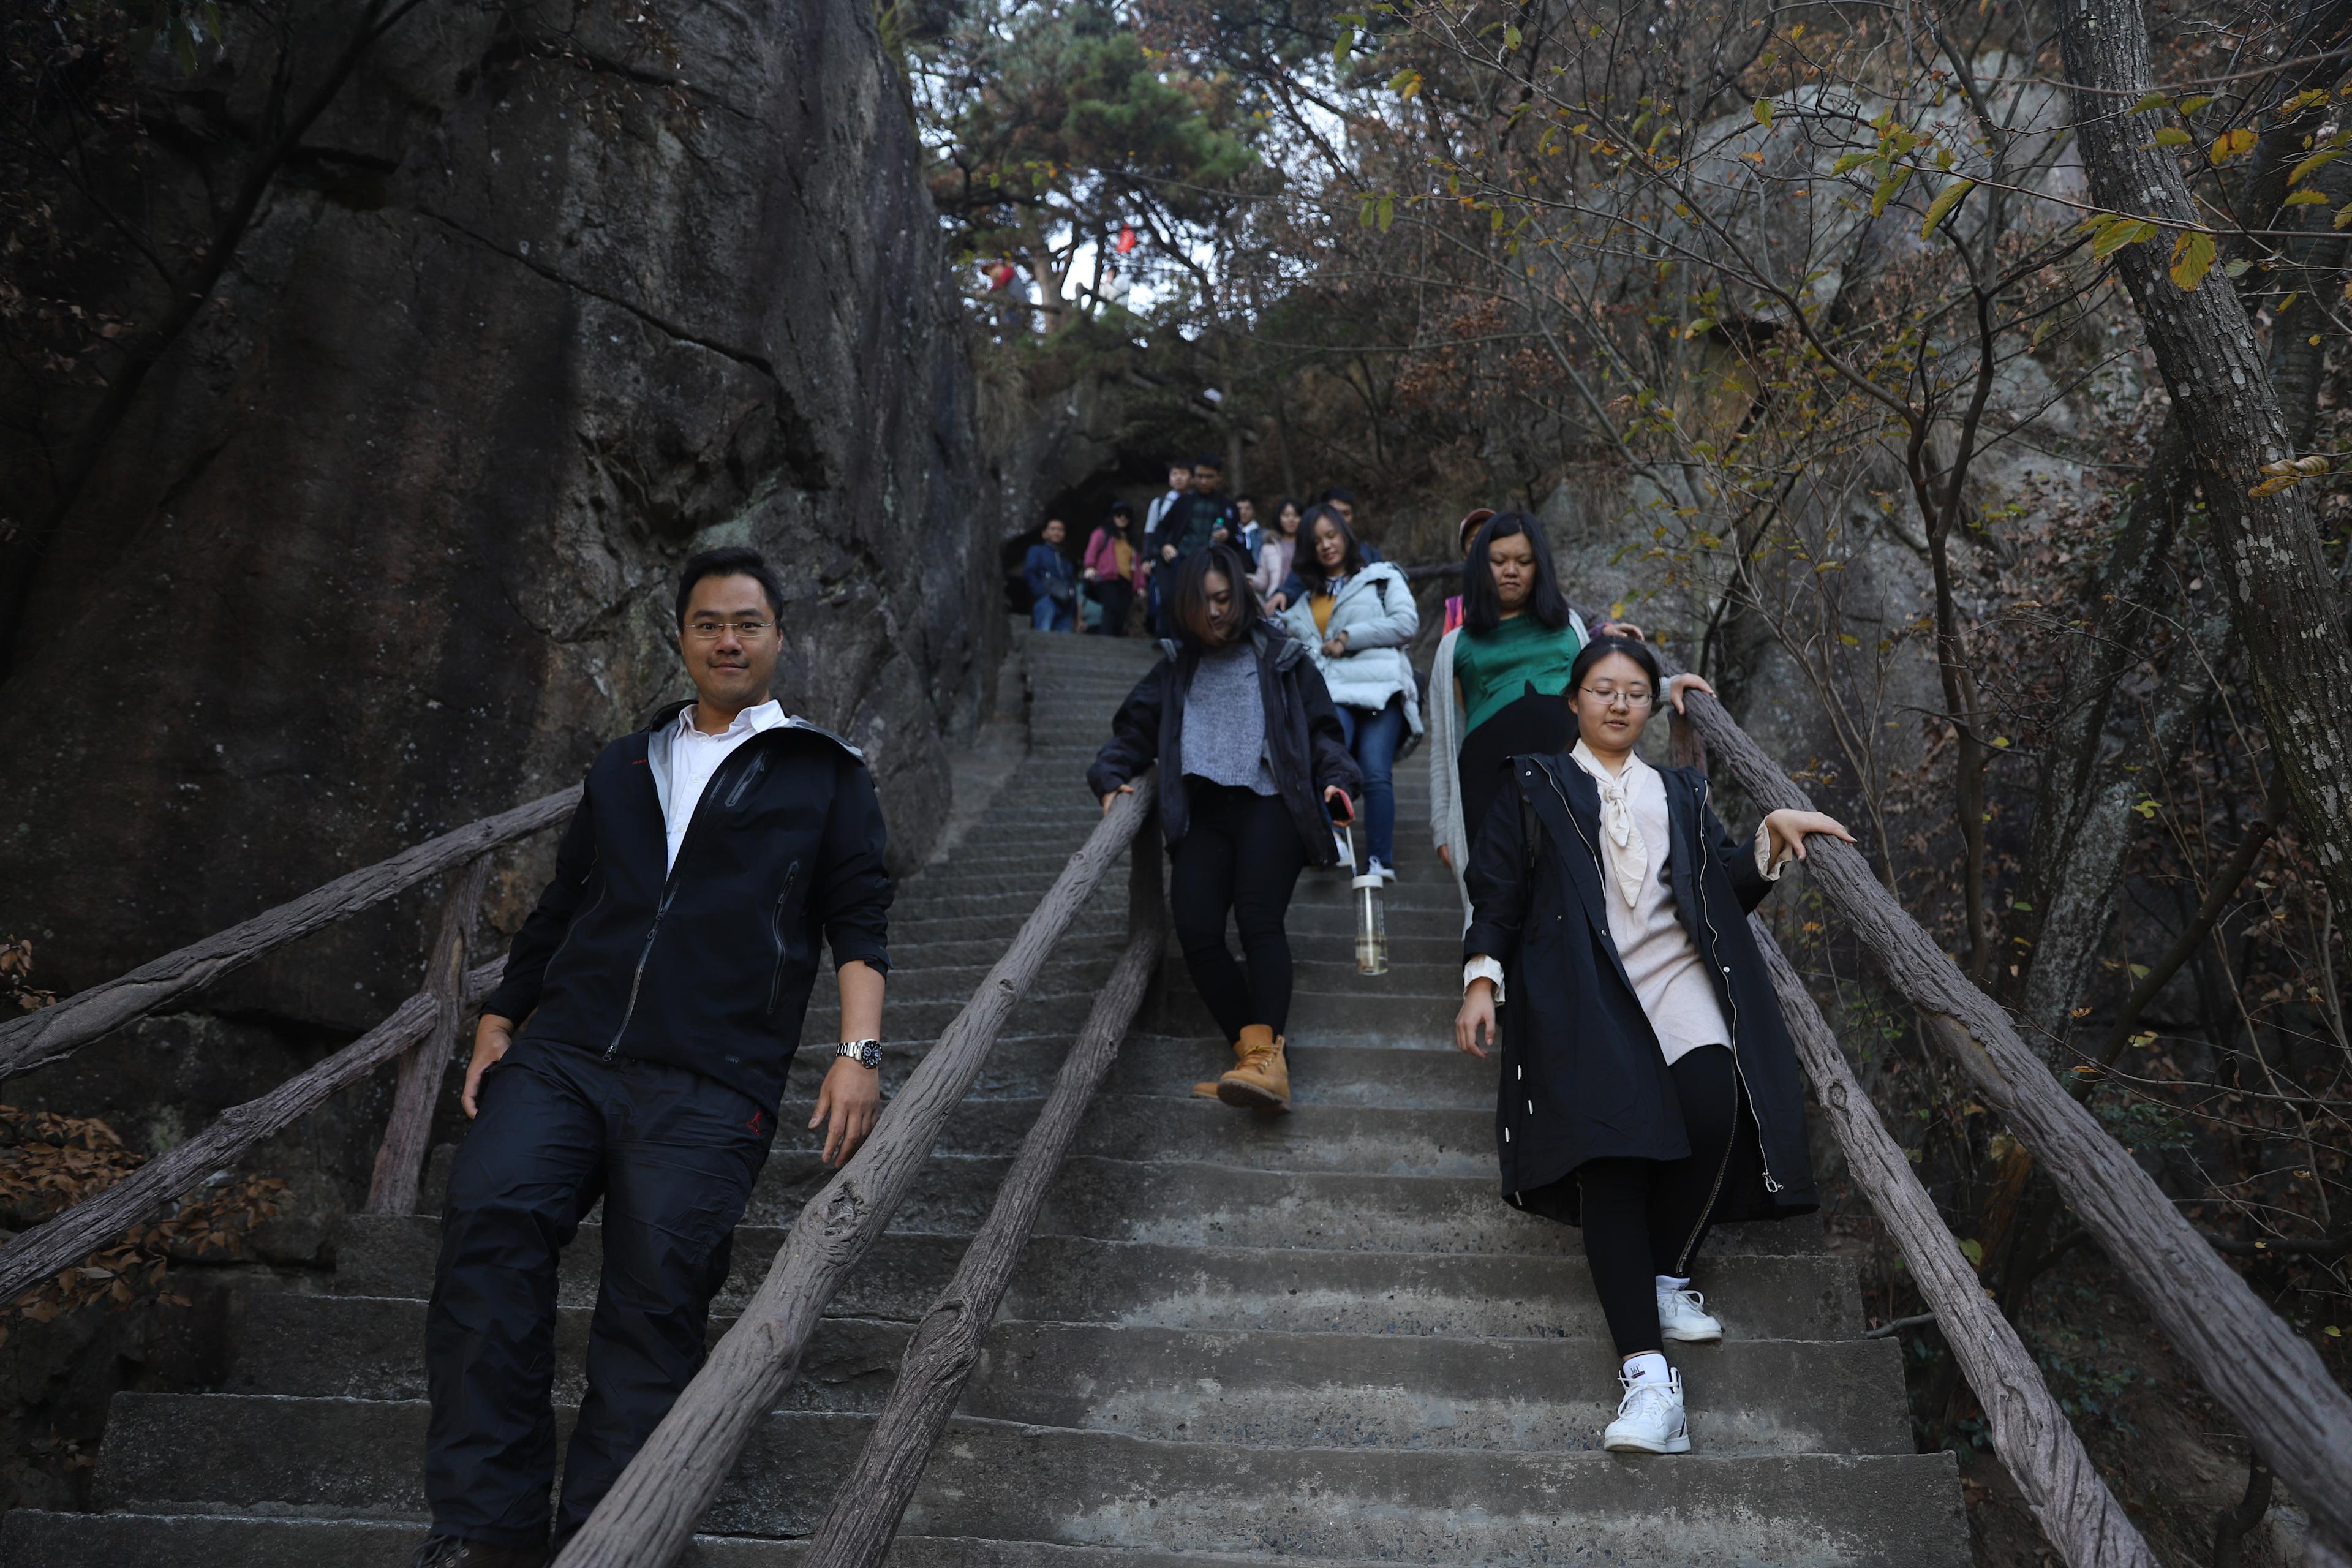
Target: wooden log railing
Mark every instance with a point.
(66, 1238)
(868, 1504)
(400, 1158)
(2078, 1515)
(2252, 1361)
(64, 1028)
(649, 1516)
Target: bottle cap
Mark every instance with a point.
(1375, 880)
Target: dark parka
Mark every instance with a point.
(1304, 745)
(706, 965)
(1582, 1075)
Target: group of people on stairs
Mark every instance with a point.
(1649, 1088)
(634, 1051)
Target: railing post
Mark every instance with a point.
(400, 1158)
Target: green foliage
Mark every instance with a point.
(1052, 125)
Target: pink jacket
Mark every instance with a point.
(1102, 558)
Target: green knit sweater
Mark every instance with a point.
(1497, 670)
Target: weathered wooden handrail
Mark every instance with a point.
(2031, 1434)
(38, 1039)
(650, 1514)
(870, 1501)
(2260, 1369)
(400, 1158)
(65, 1239)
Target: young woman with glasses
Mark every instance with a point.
(1649, 1087)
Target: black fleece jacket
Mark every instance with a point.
(709, 965)
(1304, 743)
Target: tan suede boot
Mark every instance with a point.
(1262, 1081)
(1209, 1090)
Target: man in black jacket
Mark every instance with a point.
(660, 988)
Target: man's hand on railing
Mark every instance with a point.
(849, 1102)
(1123, 789)
(492, 1036)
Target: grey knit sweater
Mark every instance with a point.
(1224, 722)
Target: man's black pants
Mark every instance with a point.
(674, 1155)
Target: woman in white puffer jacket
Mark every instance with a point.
(1357, 617)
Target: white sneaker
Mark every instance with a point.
(1381, 869)
(1649, 1418)
(1680, 1317)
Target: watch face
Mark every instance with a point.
(871, 1056)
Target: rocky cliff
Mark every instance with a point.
(546, 299)
(543, 300)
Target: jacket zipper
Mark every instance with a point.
(669, 892)
(1723, 1169)
(776, 928)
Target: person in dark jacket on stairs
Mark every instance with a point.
(635, 1051)
(1649, 1085)
(1253, 768)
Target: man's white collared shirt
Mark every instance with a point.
(694, 756)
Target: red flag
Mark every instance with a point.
(1000, 275)
(1125, 241)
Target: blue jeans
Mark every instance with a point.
(1053, 616)
(1374, 738)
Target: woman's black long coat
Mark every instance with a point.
(1582, 1075)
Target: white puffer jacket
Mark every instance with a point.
(1376, 610)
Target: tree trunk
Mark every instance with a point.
(2280, 595)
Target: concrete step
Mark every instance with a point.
(30, 1538)
(1316, 1016)
(1803, 1296)
(999, 1481)
(1313, 1137)
(1782, 1396)
(1426, 1073)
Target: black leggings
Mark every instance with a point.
(1643, 1219)
(1241, 852)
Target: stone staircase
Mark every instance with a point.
(1235, 1339)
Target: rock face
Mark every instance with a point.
(389, 538)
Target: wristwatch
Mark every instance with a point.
(864, 1053)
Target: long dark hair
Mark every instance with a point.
(1189, 599)
(1309, 561)
(1289, 503)
(1481, 604)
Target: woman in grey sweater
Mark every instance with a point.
(1253, 768)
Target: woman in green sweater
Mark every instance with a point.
(1506, 672)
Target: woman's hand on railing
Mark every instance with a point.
(492, 1036)
(1123, 789)
(1475, 1022)
(1679, 686)
(1790, 827)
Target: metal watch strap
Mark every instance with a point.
(864, 1053)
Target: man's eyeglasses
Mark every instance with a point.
(708, 631)
(1634, 697)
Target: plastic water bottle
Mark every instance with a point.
(1371, 925)
(1371, 911)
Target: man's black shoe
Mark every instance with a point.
(454, 1551)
